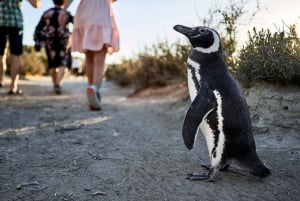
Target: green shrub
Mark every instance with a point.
(32, 63)
(270, 57)
(155, 67)
(119, 74)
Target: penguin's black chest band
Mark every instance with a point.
(194, 77)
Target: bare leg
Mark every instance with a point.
(89, 63)
(95, 68)
(57, 74)
(14, 72)
(53, 74)
(99, 67)
(2, 68)
(60, 72)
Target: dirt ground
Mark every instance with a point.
(54, 148)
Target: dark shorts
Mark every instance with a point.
(15, 37)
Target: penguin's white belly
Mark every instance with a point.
(215, 149)
(208, 134)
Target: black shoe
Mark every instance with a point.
(57, 89)
(17, 92)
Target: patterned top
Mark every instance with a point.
(11, 14)
(54, 37)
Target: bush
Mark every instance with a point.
(119, 74)
(158, 66)
(32, 63)
(270, 57)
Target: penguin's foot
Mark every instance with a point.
(197, 176)
(223, 169)
(212, 175)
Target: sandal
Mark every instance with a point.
(17, 92)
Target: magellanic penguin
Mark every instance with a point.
(218, 107)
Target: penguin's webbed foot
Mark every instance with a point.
(223, 169)
(197, 176)
(212, 175)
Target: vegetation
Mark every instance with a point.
(33, 63)
(227, 20)
(270, 57)
(157, 66)
(266, 56)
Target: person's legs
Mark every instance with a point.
(95, 68)
(16, 49)
(60, 73)
(57, 75)
(89, 64)
(99, 67)
(14, 72)
(3, 33)
(2, 69)
(52, 72)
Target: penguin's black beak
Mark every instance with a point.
(184, 30)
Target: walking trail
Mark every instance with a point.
(52, 147)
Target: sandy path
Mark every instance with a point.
(54, 148)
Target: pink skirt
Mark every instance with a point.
(94, 27)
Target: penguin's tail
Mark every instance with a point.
(259, 169)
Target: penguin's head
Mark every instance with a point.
(203, 39)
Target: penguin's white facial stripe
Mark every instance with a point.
(215, 161)
(214, 47)
(191, 82)
(191, 85)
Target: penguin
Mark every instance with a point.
(218, 108)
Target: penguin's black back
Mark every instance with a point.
(239, 143)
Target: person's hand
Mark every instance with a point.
(35, 3)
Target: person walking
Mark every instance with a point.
(95, 33)
(52, 32)
(3, 68)
(11, 27)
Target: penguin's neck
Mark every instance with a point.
(215, 60)
(201, 56)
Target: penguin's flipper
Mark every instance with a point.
(201, 106)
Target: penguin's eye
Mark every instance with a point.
(202, 30)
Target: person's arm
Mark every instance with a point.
(35, 3)
(67, 4)
(38, 35)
